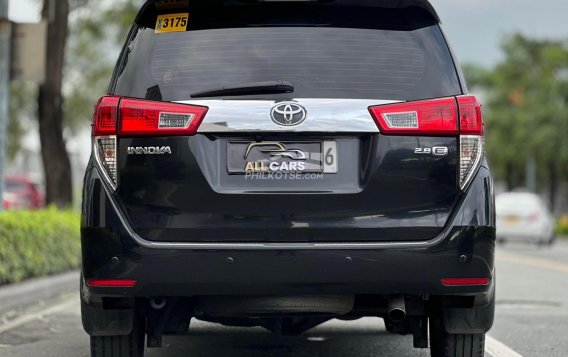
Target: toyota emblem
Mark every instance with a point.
(288, 114)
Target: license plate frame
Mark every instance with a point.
(291, 156)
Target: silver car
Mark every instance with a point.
(523, 217)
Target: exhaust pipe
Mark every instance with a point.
(158, 303)
(396, 310)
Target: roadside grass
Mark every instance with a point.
(38, 243)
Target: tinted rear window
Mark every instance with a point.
(324, 51)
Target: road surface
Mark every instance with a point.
(531, 320)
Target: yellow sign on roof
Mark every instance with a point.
(172, 23)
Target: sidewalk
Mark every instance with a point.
(35, 290)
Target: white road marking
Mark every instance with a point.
(532, 262)
(498, 349)
(24, 319)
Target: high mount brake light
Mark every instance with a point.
(115, 116)
(439, 117)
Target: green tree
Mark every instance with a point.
(97, 34)
(22, 111)
(526, 110)
(84, 38)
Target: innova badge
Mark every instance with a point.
(149, 150)
(288, 114)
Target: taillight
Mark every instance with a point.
(141, 117)
(439, 117)
(104, 148)
(471, 139)
(428, 117)
(106, 116)
(115, 117)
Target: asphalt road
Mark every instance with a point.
(531, 320)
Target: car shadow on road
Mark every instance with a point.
(365, 337)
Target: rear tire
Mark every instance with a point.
(443, 344)
(131, 345)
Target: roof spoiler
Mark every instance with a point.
(425, 4)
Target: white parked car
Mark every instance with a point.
(523, 217)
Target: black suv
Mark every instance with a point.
(284, 163)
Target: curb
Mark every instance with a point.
(32, 291)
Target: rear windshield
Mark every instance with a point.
(324, 51)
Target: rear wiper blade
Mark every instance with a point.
(270, 87)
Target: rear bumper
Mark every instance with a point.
(464, 249)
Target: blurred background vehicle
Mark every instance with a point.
(524, 217)
(11, 201)
(20, 192)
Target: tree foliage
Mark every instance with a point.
(97, 34)
(526, 110)
(22, 108)
(93, 40)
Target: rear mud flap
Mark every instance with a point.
(477, 319)
(101, 322)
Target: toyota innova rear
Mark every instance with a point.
(284, 163)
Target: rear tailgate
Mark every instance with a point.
(247, 176)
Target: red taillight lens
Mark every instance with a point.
(111, 283)
(106, 115)
(446, 116)
(135, 117)
(471, 119)
(116, 116)
(427, 117)
(141, 117)
(465, 281)
(439, 117)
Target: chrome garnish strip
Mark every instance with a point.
(323, 115)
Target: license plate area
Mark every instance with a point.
(282, 156)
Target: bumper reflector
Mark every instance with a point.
(111, 283)
(465, 281)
